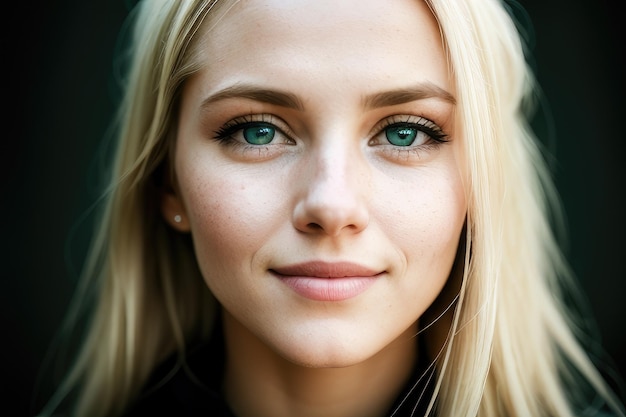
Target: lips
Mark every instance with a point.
(324, 281)
(327, 270)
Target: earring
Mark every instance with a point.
(178, 218)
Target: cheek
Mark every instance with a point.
(230, 218)
(424, 218)
(234, 214)
(426, 214)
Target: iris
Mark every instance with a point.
(401, 135)
(259, 134)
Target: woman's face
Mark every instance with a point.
(318, 171)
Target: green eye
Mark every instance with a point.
(401, 135)
(259, 134)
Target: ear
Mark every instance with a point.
(173, 210)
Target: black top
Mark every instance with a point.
(195, 390)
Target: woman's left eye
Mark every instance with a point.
(408, 132)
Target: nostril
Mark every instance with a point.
(314, 226)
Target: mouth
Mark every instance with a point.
(326, 281)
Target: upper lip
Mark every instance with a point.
(326, 270)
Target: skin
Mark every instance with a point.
(329, 187)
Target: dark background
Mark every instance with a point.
(59, 93)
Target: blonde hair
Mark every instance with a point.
(511, 349)
(512, 335)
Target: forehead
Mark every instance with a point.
(320, 15)
(284, 38)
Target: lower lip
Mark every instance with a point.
(328, 289)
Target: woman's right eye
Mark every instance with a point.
(253, 133)
(254, 130)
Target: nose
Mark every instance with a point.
(333, 198)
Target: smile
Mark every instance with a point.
(323, 281)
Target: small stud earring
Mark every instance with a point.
(178, 218)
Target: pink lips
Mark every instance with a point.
(323, 281)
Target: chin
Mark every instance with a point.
(329, 361)
(328, 353)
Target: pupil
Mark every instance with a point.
(404, 133)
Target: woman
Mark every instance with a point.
(329, 209)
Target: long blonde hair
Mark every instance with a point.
(513, 336)
(511, 349)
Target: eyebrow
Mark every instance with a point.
(420, 91)
(279, 98)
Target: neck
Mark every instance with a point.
(259, 382)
